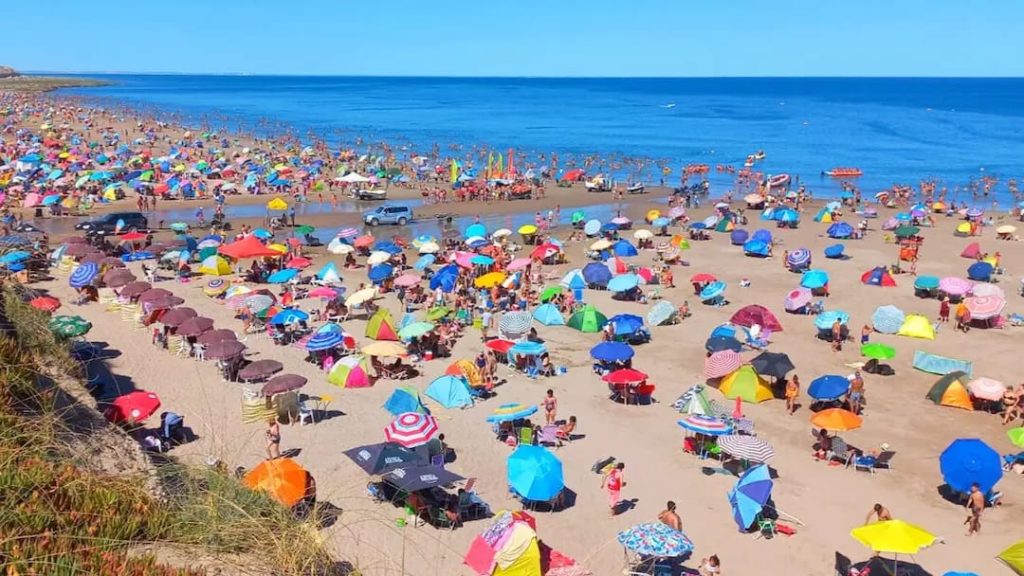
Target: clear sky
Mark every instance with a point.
(520, 37)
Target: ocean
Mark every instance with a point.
(897, 130)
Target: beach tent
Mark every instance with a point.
(694, 401)
(624, 248)
(329, 274)
(756, 248)
(215, 266)
(888, 319)
(755, 314)
(951, 390)
(878, 276)
(381, 326)
(405, 399)
(972, 251)
(840, 230)
(745, 383)
(450, 391)
(834, 251)
(823, 215)
(468, 370)
(917, 326)
(350, 372)
(548, 315)
(508, 547)
(587, 319)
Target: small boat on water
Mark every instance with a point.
(637, 188)
(779, 181)
(760, 155)
(844, 172)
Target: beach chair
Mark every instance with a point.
(525, 436)
(871, 463)
(841, 452)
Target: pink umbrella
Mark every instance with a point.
(722, 363)
(407, 280)
(518, 264)
(323, 292)
(955, 286)
(677, 212)
(987, 389)
(797, 299)
(411, 429)
(463, 259)
(32, 199)
(984, 307)
(986, 289)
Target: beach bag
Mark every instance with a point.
(600, 466)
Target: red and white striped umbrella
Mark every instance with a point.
(984, 307)
(987, 389)
(411, 429)
(722, 363)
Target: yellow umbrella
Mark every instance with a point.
(63, 155)
(279, 248)
(489, 280)
(360, 296)
(895, 536)
(602, 244)
(653, 215)
(384, 348)
(277, 204)
(527, 229)
(643, 234)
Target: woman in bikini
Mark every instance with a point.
(550, 407)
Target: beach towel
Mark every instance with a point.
(941, 365)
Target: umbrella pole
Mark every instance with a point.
(788, 516)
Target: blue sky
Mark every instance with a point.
(522, 37)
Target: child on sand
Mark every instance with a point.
(792, 393)
(613, 482)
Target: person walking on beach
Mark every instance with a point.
(856, 395)
(837, 336)
(944, 309)
(273, 439)
(669, 518)
(550, 407)
(975, 506)
(792, 393)
(614, 482)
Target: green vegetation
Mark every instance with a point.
(35, 84)
(60, 518)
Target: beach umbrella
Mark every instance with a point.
(826, 319)
(289, 316)
(980, 271)
(722, 363)
(905, 231)
(623, 283)
(384, 457)
(550, 292)
(518, 264)
(282, 276)
(985, 289)
(378, 258)
(893, 536)
(407, 280)
(799, 258)
(756, 315)
(656, 540)
(132, 407)
(83, 275)
(797, 299)
(1014, 557)
(437, 313)
(814, 279)
(211, 336)
(712, 291)
(380, 272)
(626, 324)
(223, 350)
(384, 348)
(596, 274)
(703, 424)
(510, 412)
(282, 479)
(411, 429)
(624, 376)
(612, 352)
(260, 369)
(967, 461)
(1016, 436)
(661, 313)
(955, 286)
(361, 296)
(215, 287)
(828, 387)
(624, 248)
(283, 383)
(444, 279)
(774, 364)
(325, 340)
(987, 389)
(350, 372)
(587, 319)
(162, 302)
(336, 246)
(44, 303)
(984, 307)
(489, 280)
(69, 326)
(14, 257)
(420, 477)
(534, 473)
(747, 447)
(134, 289)
(515, 323)
(415, 330)
(840, 230)
(194, 326)
(887, 319)
(749, 496)
(836, 420)
(878, 351)
(716, 343)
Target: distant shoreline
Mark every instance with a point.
(41, 84)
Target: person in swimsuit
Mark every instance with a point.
(792, 393)
(879, 513)
(550, 407)
(1011, 404)
(273, 440)
(975, 505)
(613, 482)
(669, 517)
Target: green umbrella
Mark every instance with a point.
(878, 351)
(587, 319)
(578, 216)
(1016, 436)
(415, 330)
(304, 229)
(550, 292)
(905, 231)
(179, 227)
(69, 326)
(438, 313)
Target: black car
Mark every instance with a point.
(107, 223)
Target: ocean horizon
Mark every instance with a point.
(898, 130)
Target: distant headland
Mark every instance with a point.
(12, 81)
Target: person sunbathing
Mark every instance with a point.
(565, 431)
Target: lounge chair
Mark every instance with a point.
(841, 452)
(871, 463)
(1010, 459)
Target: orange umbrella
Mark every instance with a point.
(282, 478)
(837, 420)
(364, 241)
(45, 303)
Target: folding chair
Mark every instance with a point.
(525, 436)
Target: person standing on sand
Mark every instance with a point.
(273, 439)
(944, 309)
(792, 393)
(856, 394)
(837, 336)
(865, 334)
(669, 518)
(975, 506)
(550, 407)
(614, 481)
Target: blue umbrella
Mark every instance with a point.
(262, 234)
(814, 279)
(282, 276)
(661, 222)
(510, 412)
(826, 319)
(609, 227)
(655, 539)
(612, 352)
(477, 243)
(698, 226)
(626, 323)
(840, 230)
(904, 217)
(12, 257)
(967, 461)
(623, 282)
(828, 387)
(926, 282)
(981, 271)
(51, 199)
(84, 274)
(476, 230)
(834, 251)
(712, 290)
(445, 278)
(597, 273)
(762, 235)
(424, 262)
(749, 496)
(535, 473)
(592, 227)
(799, 258)
(719, 343)
(324, 340)
(661, 312)
(481, 260)
(380, 272)
(624, 248)
(739, 237)
(755, 248)
(387, 246)
(887, 319)
(289, 316)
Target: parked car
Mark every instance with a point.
(107, 223)
(364, 194)
(400, 215)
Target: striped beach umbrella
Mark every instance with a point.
(325, 340)
(515, 324)
(513, 411)
(887, 319)
(84, 274)
(749, 448)
(797, 299)
(984, 307)
(722, 363)
(411, 429)
(799, 258)
(955, 286)
(702, 424)
(346, 233)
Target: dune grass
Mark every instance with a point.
(60, 519)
